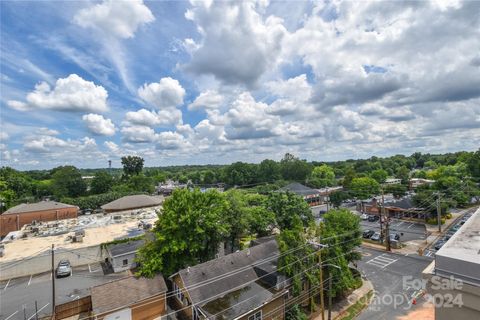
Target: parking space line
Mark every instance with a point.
(5, 288)
(11, 315)
(410, 226)
(29, 281)
(89, 269)
(33, 315)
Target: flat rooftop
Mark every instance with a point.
(460, 256)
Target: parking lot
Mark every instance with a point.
(18, 296)
(448, 233)
(407, 230)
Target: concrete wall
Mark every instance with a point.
(43, 262)
(14, 222)
(117, 262)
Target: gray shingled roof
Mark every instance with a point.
(125, 292)
(223, 265)
(119, 249)
(39, 206)
(133, 202)
(299, 189)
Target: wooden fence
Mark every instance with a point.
(71, 308)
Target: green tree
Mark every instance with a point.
(287, 206)
(102, 182)
(295, 313)
(398, 190)
(379, 175)
(321, 177)
(209, 177)
(337, 197)
(293, 168)
(141, 183)
(269, 170)
(132, 165)
(188, 231)
(240, 173)
(67, 182)
(364, 187)
(403, 173)
(350, 174)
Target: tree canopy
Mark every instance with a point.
(132, 165)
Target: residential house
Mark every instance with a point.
(130, 298)
(121, 256)
(241, 285)
(414, 183)
(393, 181)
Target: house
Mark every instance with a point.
(401, 208)
(413, 183)
(393, 181)
(121, 256)
(241, 285)
(16, 217)
(133, 202)
(130, 298)
(311, 196)
(453, 278)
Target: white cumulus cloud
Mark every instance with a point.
(167, 93)
(69, 94)
(99, 125)
(119, 18)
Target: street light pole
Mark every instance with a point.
(330, 289)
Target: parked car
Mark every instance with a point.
(373, 218)
(394, 236)
(375, 236)
(364, 216)
(63, 269)
(439, 244)
(367, 234)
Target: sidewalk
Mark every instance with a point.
(339, 308)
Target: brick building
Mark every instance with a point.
(16, 217)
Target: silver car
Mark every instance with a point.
(63, 269)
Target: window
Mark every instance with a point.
(178, 292)
(256, 316)
(125, 262)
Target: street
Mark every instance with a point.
(18, 295)
(388, 272)
(410, 230)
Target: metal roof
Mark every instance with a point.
(299, 189)
(120, 249)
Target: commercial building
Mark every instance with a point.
(133, 202)
(400, 208)
(416, 182)
(121, 256)
(453, 279)
(16, 217)
(311, 196)
(250, 288)
(393, 181)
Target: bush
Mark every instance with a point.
(448, 215)
(434, 221)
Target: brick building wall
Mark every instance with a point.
(14, 222)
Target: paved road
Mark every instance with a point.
(21, 293)
(386, 271)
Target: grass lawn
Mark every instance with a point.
(356, 308)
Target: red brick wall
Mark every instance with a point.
(13, 222)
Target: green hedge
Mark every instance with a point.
(434, 221)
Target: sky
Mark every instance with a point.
(84, 82)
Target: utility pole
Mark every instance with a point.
(439, 213)
(53, 282)
(36, 310)
(381, 218)
(330, 297)
(322, 304)
(387, 224)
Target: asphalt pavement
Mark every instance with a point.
(410, 230)
(18, 296)
(391, 275)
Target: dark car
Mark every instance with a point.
(63, 269)
(373, 218)
(394, 236)
(367, 234)
(439, 244)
